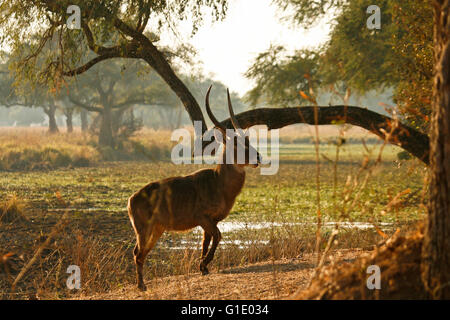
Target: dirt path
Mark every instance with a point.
(268, 280)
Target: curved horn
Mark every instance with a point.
(232, 117)
(210, 114)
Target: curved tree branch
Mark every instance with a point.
(129, 102)
(411, 140)
(84, 105)
(89, 65)
(156, 59)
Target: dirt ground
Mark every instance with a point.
(269, 280)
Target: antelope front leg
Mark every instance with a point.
(205, 244)
(211, 230)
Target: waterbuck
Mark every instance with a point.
(202, 198)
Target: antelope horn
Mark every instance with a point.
(210, 114)
(234, 121)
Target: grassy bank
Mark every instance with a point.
(29, 149)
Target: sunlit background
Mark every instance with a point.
(227, 48)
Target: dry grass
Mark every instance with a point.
(34, 148)
(104, 266)
(29, 138)
(101, 244)
(107, 265)
(23, 149)
(12, 210)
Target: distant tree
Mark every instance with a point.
(68, 111)
(111, 88)
(49, 106)
(84, 119)
(26, 96)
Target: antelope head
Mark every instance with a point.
(244, 154)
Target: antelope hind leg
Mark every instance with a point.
(142, 249)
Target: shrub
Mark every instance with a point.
(107, 153)
(303, 140)
(81, 161)
(140, 151)
(12, 210)
(62, 160)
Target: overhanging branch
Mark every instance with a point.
(411, 140)
(84, 105)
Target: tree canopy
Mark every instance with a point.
(109, 29)
(398, 56)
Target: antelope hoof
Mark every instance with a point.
(204, 270)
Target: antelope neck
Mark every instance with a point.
(232, 177)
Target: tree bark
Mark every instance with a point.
(117, 119)
(156, 60)
(69, 120)
(105, 137)
(436, 247)
(411, 140)
(50, 112)
(84, 120)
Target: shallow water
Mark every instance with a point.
(235, 225)
(231, 226)
(191, 244)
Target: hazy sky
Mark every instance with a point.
(227, 48)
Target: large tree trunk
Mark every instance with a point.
(436, 248)
(105, 137)
(95, 123)
(159, 63)
(50, 112)
(117, 119)
(84, 120)
(433, 255)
